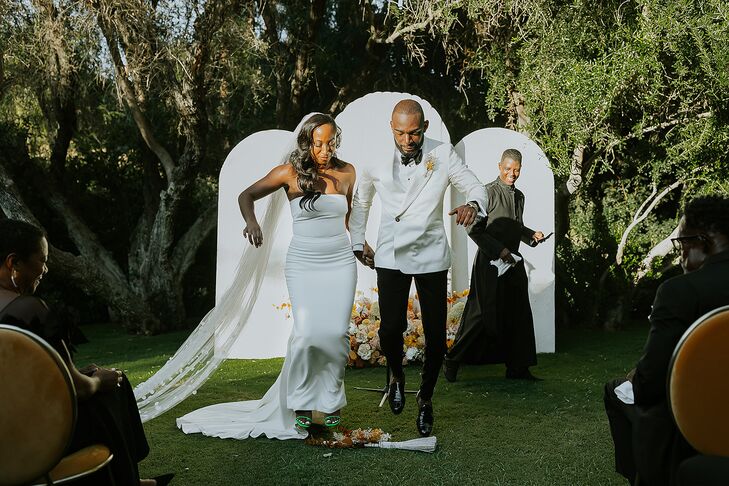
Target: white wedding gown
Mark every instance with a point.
(321, 275)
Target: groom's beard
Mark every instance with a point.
(417, 147)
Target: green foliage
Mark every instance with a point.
(640, 87)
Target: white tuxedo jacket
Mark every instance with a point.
(412, 237)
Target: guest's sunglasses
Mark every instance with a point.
(679, 241)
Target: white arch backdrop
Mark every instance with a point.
(366, 139)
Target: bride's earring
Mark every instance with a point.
(12, 279)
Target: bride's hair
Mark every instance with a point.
(300, 158)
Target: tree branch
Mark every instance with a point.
(11, 201)
(186, 249)
(267, 11)
(574, 181)
(659, 251)
(641, 214)
(646, 131)
(302, 69)
(403, 27)
(82, 236)
(127, 91)
(4, 82)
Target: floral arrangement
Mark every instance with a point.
(364, 341)
(344, 439)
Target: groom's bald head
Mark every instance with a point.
(408, 107)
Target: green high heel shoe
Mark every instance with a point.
(303, 421)
(332, 420)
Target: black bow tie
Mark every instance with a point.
(417, 157)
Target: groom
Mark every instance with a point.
(412, 244)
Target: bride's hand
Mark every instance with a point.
(254, 234)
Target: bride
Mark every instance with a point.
(321, 277)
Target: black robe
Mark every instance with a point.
(497, 324)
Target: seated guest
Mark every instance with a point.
(107, 409)
(703, 470)
(647, 442)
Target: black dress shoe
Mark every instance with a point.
(424, 420)
(450, 369)
(524, 374)
(164, 479)
(396, 397)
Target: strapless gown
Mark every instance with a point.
(321, 276)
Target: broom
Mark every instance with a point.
(424, 444)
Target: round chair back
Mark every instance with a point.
(37, 408)
(698, 386)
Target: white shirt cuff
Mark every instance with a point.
(358, 247)
(480, 211)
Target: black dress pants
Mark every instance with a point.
(622, 419)
(394, 290)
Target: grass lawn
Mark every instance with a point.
(490, 431)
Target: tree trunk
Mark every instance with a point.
(565, 191)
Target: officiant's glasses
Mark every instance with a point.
(678, 242)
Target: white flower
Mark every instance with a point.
(454, 315)
(364, 351)
(375, 311)
(412, 354)
(411, 327)
(361, 336)
(375, 342)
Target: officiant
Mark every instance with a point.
(497, 324)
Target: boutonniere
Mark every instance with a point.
(429, 165)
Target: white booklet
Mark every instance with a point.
(502, 266)
(624, 392)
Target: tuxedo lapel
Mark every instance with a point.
(422, 176)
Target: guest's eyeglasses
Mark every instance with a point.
(679, 241)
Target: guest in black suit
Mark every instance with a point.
(647, 442)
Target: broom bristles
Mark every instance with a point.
(423, 444)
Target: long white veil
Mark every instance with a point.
(208, 345)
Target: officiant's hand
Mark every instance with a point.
(465, 214)
(254, 234)
(366, 257)
(507, 256)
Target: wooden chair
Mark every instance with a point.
(38, 415)
(698, 383)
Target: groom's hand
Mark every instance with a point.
(366, 257)
(465, 214)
